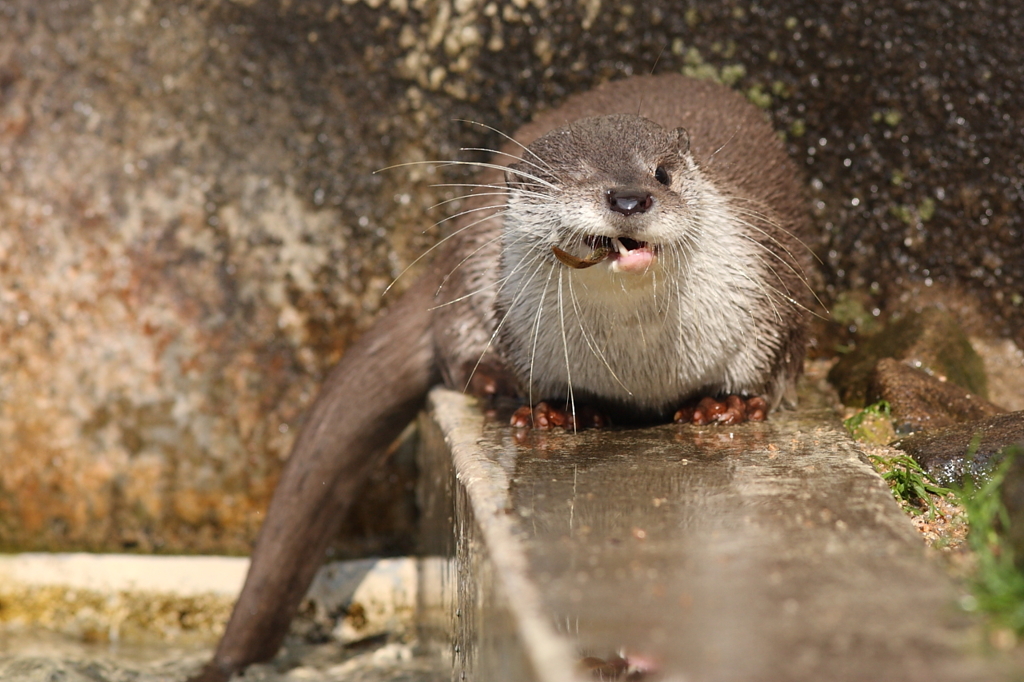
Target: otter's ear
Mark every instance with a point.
(682, 140)
(516, 175)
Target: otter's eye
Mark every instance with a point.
(661, 175)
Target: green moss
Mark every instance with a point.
(872, 425)
(926, 209)
(758, 97)
(733, 73)
(903, 212)
(849, 309)
(908, 481)
(998, 585)
(908, 214)
(892, 118)
(704, 72)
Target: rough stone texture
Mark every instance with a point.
(931, 339)
(180, 260)
(1004, 367)
(920, 401)
(948, 454)
(191, 232)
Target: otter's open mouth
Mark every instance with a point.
(626, 254)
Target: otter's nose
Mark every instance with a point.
(627, 201)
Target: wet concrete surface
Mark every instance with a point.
(765, 551)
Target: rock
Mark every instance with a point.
(39, 669)
(191, 229)
(191, 232)
(1004, 365)
(870, 426)
(930, 339)
(920, 401)
(949, 453)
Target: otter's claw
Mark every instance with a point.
(545, 416)
(732, 410)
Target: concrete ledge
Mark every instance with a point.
(767, 551)
(187, 599)
(185, 576)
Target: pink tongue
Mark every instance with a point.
(637, 260)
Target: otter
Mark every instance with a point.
(635, 254)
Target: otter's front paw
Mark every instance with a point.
(733, 410)
(488, 379)
(544, 416)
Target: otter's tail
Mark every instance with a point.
(375, 390)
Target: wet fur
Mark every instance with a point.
(722, 313)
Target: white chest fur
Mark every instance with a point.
(695, 322)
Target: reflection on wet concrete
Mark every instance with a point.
(765, 551)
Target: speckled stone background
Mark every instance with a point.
(191, 229)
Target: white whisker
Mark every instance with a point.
(511, 139)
